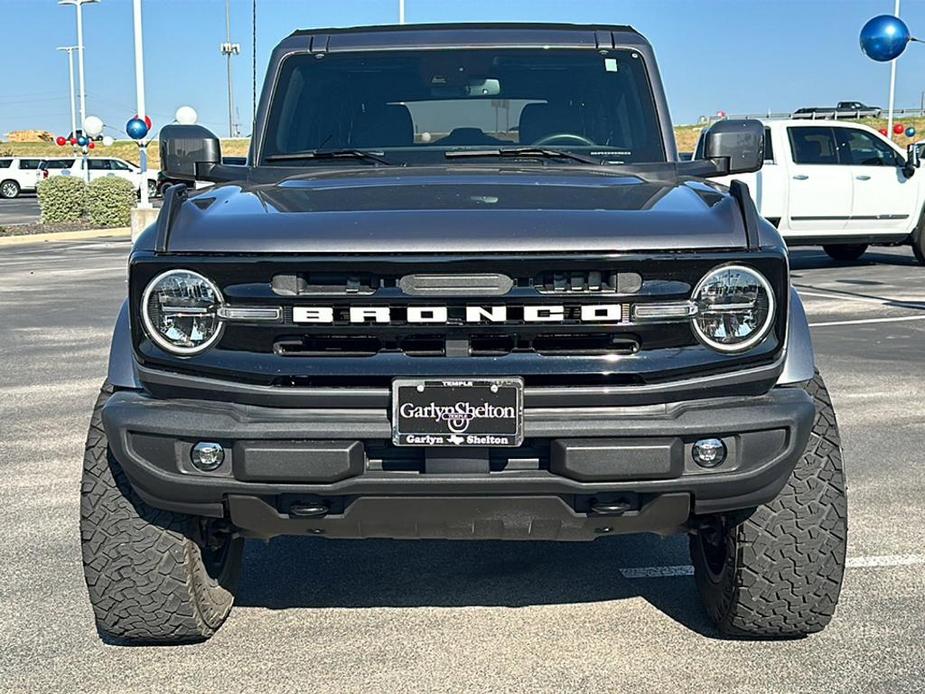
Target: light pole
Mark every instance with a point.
(229, 49)
(889, 124)
(401, 11)
(70, 69)
(140, 103)
(80, 51)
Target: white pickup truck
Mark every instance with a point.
(839, 185)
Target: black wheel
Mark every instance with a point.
(777, 572)
(9, 189)
(153, 576)
(845, 253)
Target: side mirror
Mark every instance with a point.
(735, 146)
(913, 161)
(189, 152)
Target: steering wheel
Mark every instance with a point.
(564, 139)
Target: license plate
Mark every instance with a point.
(457, 412)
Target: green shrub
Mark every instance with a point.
(110, 201)
(62, 199)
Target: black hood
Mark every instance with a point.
(465, 210)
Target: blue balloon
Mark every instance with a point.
(884, 38)
(136, 128)
(910, 132)
(82, 140)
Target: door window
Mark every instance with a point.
(5, 163)
(98, 164)
(29, 164)
(813, 146)
(119, 165)
(863, 149)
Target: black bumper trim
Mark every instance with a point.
(750, 381)
(754, 481)
(462, 518)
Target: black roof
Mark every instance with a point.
(467, 26)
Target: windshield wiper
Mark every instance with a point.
(329, 154)
(539, 152)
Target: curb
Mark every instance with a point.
(24, 239)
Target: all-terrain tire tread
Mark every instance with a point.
(145, 576)
(789, 554)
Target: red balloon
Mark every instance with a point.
(884, 132)
(61, 140)
(73, 140)
(147, 120)
(91, 144)
(899, 128)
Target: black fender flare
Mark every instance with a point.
(800, 359)
(122, 372)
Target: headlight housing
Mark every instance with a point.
(734, 308)
(179, 309)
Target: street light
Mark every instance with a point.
(80, 51)
(70, 68)
(229, 49)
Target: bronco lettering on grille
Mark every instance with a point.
(542, 313)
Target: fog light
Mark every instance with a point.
(207, 456)
(708, 452)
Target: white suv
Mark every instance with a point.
(18, 174)
(109, 166)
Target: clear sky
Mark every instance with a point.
(741, 56)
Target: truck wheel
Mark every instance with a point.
(845, 253)
(151, 576)
(9, 189)
(918, 241)
(777, 572)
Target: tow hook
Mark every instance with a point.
(611, 508)
(308, 510)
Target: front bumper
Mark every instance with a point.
(574, 462)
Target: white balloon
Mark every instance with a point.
(107, 141)
(93, 126)
(186, 115)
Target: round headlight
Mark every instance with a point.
(734, 308)
(180, 312)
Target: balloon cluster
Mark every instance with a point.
(138, 127)
(88, 137)
(899, 129)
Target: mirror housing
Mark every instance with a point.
(735, 146)
(189, 152)
(913, 160)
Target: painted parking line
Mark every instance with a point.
(835, 296)
(862, 321)
(875, 562)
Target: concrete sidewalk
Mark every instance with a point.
(114, 232)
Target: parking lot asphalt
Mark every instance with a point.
(619, 614)
(21, 210)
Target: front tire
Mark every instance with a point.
(845, 253)
(152, 575)
(777, 572)
(9, 190)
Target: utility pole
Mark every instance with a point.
(401, 11)
(229, 49)
(80, 53)
(70, 70)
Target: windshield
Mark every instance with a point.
(415, 106)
